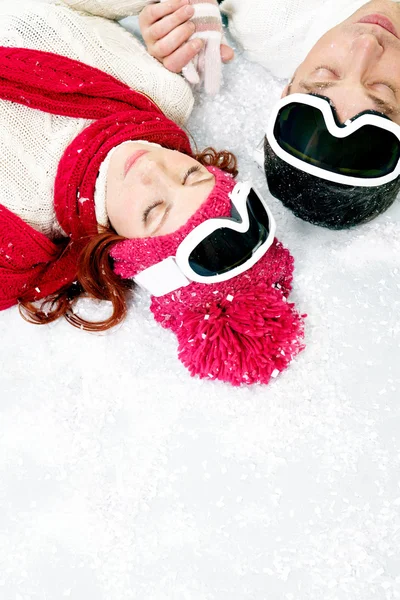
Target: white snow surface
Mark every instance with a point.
(121, 477)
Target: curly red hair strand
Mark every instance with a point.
(224, 160)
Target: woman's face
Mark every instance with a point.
(153, 191)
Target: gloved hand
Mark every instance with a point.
(187, 32)
(205, 68)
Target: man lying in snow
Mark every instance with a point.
(324, 172)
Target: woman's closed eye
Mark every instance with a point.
(189, 172)
(197, 175)
(154, 216)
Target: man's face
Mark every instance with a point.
(357, 63)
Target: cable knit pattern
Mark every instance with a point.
(31, 265)
(279, 33)
(117, 9)
(32, 142)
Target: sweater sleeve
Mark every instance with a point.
(110, 9)
(272, 33)
(32, 142)
(96, 41)
(279, 33)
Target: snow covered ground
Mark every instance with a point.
(123, 478)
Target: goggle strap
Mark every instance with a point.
(162, 278)
(258, 154)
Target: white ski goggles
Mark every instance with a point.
(305, 132)
(217, 249)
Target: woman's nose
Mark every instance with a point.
(150, 172)
(160, 176)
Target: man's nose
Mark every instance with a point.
(364, 52)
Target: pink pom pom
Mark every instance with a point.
(242, 339)
(240, 331)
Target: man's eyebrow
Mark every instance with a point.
(384, 107)
(316, 86)
(380, 105)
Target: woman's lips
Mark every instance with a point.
(132, 159)
(381, 21)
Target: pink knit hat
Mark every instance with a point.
(241, 330)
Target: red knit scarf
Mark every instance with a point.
(31, 265)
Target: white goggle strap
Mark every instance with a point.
(258, 153)
(162, 278)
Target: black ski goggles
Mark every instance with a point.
(365, 151)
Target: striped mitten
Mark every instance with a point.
(205, 68)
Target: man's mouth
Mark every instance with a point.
(132, 159)
(380, 20)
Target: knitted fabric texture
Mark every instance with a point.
(279, 33)
(32, 142)
(205, 68)
(110, 9)
(32, 266)
(133, 256)
(241, 331)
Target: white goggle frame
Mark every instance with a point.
(340, 132)
(175, 271)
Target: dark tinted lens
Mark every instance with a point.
(225, 249)
(368, 152)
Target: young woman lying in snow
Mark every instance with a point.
(100, 188)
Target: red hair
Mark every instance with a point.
(95, 276)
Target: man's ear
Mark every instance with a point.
(286, 90)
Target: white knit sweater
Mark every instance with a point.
(279, 33)
(32, 142)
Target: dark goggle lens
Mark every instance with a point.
(368, 152)
(225, 249)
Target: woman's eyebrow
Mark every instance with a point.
(201, 181)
